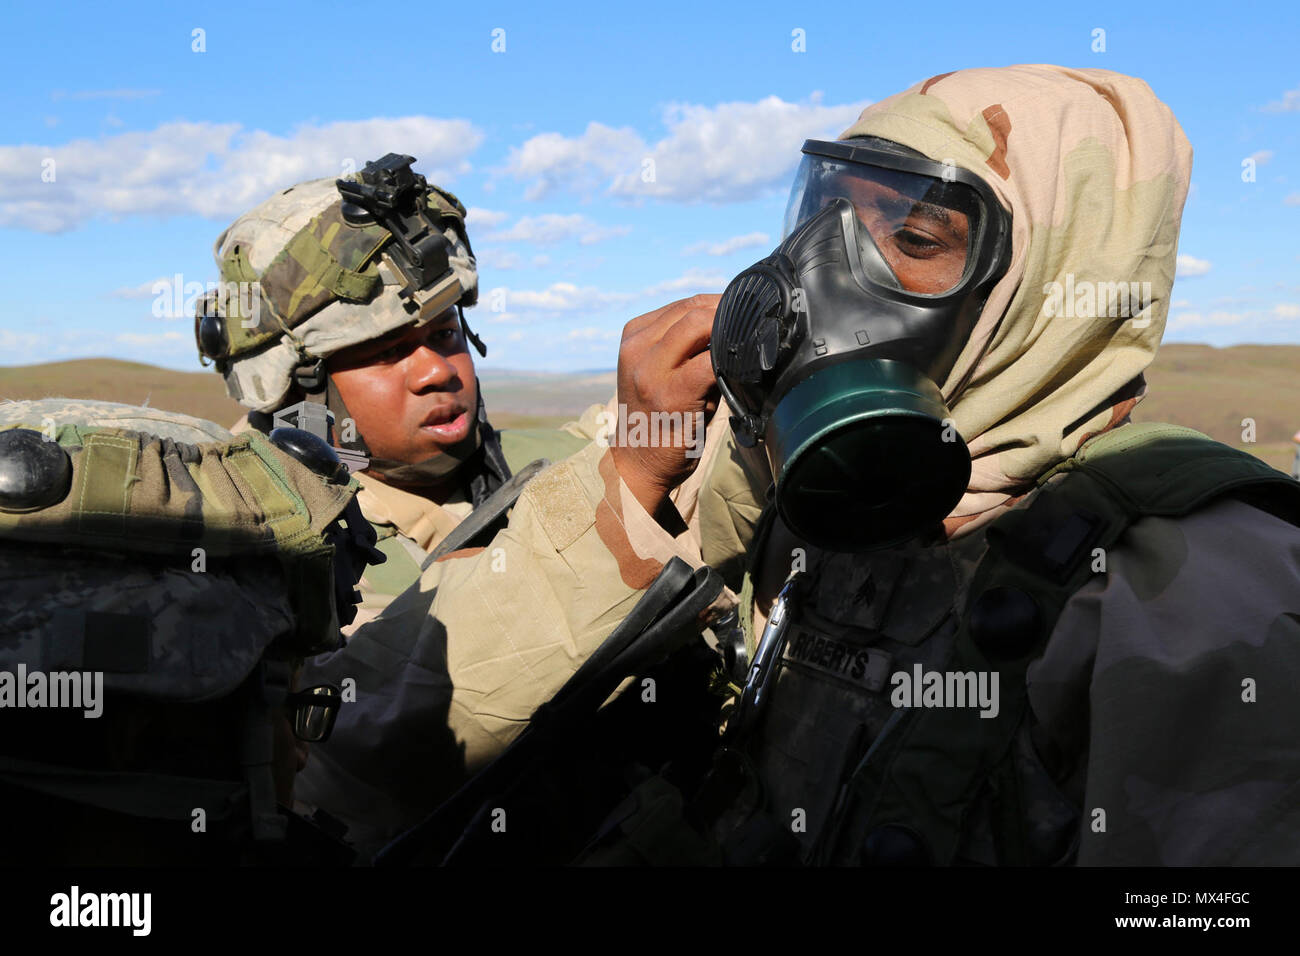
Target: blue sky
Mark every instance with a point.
(157, 147)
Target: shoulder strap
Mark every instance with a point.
(1168, 470)
(1038, 555)
(484, 518)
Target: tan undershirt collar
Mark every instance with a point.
(420, 519)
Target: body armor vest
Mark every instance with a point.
(897, 730)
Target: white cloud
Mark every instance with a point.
(1196, 319)
(515, 306)
(1292, 200)
(690, 283)
(1290, 103)
(583, 164)
(497, 259)
(601, 233)
(20, 340)
(1191, 266)
(541, 261)
(562, 297)
(1262, 157)
(479, 218)
(554, 227)
(1181, 304)
(214, 170)
(592, 332)
(1257, 318)
(726, 153)
(727, 246)
(145, 290)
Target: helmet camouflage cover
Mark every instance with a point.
(312, 271)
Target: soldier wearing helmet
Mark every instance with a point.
(343, 302)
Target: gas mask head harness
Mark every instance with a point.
(829, 351)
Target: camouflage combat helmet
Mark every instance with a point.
(186, 567)
(328, 264)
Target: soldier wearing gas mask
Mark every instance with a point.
(986, 618)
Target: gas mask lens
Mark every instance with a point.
(915, 232)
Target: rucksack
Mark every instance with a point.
(182, 564)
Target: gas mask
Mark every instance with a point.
(829, 351)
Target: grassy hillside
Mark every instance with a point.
(1205, 388)
(201, 394)
(1214, 390)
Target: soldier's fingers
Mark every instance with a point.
(695, 377)
(642, 322)
(656, 323)
(687, 337)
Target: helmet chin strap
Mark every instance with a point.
(430, 471)
(478, 454)
(334, 402)
(433, 469)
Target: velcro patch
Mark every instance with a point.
(561, 505)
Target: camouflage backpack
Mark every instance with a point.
(154, 564)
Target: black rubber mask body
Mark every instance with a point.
(831, 364)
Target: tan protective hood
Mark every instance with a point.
(1094, 170)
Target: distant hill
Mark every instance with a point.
(1209, 389)
(1214, 390)
(133, 383)
(514, 399)
(544, 394)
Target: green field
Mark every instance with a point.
(1209, 389)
